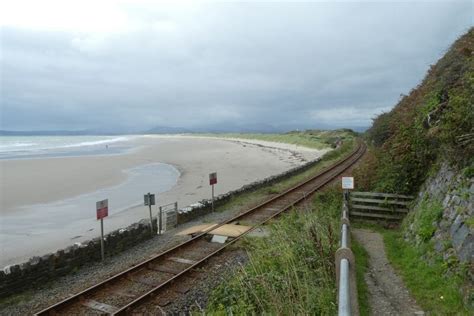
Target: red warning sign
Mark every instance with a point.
(212, 178)
(102, 209)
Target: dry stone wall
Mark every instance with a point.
(205, 206)
(38, 270)
(454, 233)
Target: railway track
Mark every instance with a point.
(157, 279)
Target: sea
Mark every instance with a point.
(28, 147)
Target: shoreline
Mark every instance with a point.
(237, 162)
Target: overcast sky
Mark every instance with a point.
(138, 64)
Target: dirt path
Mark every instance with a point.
(387, 293)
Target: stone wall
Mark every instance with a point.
(449, 194)
(454, 235)
(205, 206)
(38, 270)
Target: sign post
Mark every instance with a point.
(150, 200)
(160, 226)
(212, 181)
(347, 184)
(102, 210)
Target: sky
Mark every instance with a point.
(133, 65)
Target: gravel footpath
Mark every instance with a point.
(39, 298)
(387, 293)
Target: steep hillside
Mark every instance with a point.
(433, 123)
(425, 146)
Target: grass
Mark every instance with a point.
(425, 218)
(424, 273)
(435, 290)
(362, 264)
(312, 138)
(291, 271)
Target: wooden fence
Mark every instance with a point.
(379, 206)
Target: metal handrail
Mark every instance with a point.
(344, 293)
(345, 264)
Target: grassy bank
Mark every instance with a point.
(311, 138)
(426, 274)
(291, 271)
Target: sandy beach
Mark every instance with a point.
(39, 182)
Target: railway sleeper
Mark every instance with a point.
(98, 306)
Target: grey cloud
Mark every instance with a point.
(283, 64)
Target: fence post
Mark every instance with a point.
(160, 228)
(176, 210)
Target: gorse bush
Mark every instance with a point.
(291, 271)
(434, 121)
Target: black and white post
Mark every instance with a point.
(212, 181)
(150, 200)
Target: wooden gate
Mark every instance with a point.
(379, 206)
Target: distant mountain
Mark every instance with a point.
(225, 127)
(167, 130)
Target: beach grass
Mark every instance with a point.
(317, 139)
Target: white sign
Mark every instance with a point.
(348, 183)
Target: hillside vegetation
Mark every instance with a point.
(425, 147)
(434, 122)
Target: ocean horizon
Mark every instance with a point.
(31, 147)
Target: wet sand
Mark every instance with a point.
(38, 181)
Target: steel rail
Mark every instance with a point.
(351, 158)
(124, 310)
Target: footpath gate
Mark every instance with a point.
(168, 215)
(379, 206)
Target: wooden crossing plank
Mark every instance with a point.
(197, 229)
(102, 307)
(379, 201)
(378, 208)
(377, 216)
(230, 230)
(382, 195)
